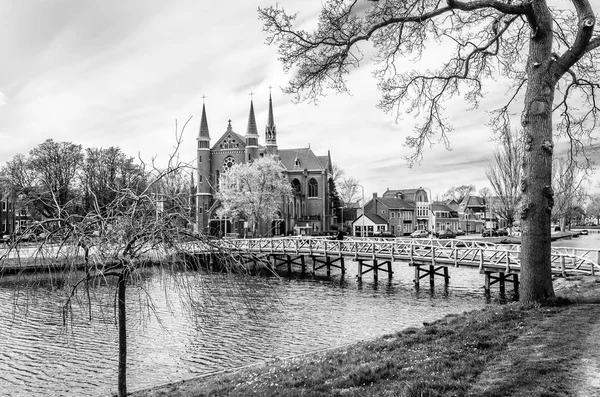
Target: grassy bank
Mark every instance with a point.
(498, 351)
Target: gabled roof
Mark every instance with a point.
(441, 207)
(376, 219)
(406, 194)
(396, 203)
(326, 162)
(300, 159)
(472, 201)
(235, 138)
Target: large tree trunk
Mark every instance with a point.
(536, 275)
(122, 378)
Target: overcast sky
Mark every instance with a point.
(120, 73)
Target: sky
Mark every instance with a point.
(130, 73)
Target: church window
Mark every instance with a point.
(313, 188)
(200, 179)
(228, 163)
(296, 186)
(297, 162)
(205, 206)
(199, 159)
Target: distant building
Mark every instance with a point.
(444, 217)
(369, 225)
(308, 212)
(404, 210)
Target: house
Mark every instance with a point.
(444, 217)
(368, 225)
(403, 210)
(472, 214)
(308, 211)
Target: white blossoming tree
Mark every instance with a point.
(254, 192)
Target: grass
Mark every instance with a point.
(498, 351)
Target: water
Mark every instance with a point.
(243, 321)
(592, 240)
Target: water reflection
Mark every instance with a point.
(230, 323)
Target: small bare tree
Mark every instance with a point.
(142, 228)
(505, 175)
(567, 182)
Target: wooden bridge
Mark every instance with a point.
(429, 257)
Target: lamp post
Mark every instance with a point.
(342, 208)
(429, 209)
(362, 233)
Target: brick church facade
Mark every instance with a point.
(308, 212)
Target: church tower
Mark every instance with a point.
(203, 195)
(251, 136)
(271, 132)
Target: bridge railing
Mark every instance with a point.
(478, 254)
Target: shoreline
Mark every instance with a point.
(497, 351)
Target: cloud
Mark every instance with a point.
(3, 99)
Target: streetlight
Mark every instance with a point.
(430, 209)
(362, 233)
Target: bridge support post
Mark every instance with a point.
(490, 280)
(375, 268)
(360, 272)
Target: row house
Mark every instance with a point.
(13, 217)
(401, 211)
(444, 218)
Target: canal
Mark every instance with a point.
(241, 321)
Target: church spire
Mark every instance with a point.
(252, 130)
(203, 133)
(271, 131)
(251, 135)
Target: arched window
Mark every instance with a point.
(296, 186)
(313, 188)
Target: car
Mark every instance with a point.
(502, 232)
(459, 232)
(584, 232)
(446, 234)
(384, 234)
(420, 234)
(488, 233)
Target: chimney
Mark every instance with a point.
(375, 195)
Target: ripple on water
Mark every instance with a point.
(260, 318)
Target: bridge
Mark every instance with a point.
(429, 257)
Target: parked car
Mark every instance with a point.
(584, 232)
(446, 234)
(502, 232)
(420, 234)
(488, 233)
(459, 232)
(384, 234)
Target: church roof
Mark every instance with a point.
(299, 159)
(237, 142)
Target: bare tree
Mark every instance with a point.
(593, 207)
(567, 182)
(348, 190)
(547, 53)
(505, 175)
(458, 193)
(47, 179)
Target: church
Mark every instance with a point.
(309, 210)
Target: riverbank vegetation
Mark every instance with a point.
(506, 350)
